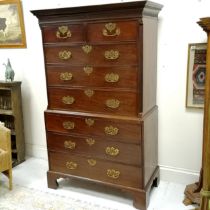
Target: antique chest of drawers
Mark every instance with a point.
(101, 119)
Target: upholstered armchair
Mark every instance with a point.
(5, 153)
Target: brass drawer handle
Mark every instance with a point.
(89, 93)
(112, 77)
(91, 162)
(63, 32)
(89, 121)
(112, 173)
(110, 130)
(111, 54)
(90, 141)
(64, 55)
(71, 165)
(65, 76)
(88, 70)
(112, 103)
(69, 145)
(68, 99)
(68, 125)
(112, 151)
(111, 30)
(87, 48)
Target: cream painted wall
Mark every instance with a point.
(180, 129)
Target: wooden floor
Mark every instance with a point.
(32, 173)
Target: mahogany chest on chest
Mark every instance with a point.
(101, 119)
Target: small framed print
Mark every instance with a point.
(196, 73)
(12, 32)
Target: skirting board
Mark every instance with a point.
(37, 151)
(178, 175)
(167, 173)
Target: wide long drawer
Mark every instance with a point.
(112, 54)
(95, 147)
(93, 100)
(96, 169)
(100, 76)
(120, 130)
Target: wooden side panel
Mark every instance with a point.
(149, 63)
(150, 143)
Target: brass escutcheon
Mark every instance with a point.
(91, 162)
(63, 32)
(90, 141)
(89, 121)
(68, 125)
(110, 130)
(69, 145)
(111, 54)
(112, 173)
(89, 92)
(71, 165)
(64, 55)
(111, 30)
(112, 103)
(112, 151)
(112, 77)
(88, 70)
(65, 76)
(87, 48)
(68, 99)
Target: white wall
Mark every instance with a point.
(180, 129)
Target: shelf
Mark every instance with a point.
(13, 132)
(6, 112)
(14, 150)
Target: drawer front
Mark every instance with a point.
(119, 77)
(92, 168)
(63, 33)
(119, 130)
(94, 146)
(113, 31)
(92, 54)
(93, 100)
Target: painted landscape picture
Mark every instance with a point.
(12, 32)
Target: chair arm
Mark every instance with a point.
(5, 138)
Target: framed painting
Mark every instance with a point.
(12, 32)
(196, 73)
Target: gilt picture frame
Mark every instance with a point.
(196, 72)
(12, 31)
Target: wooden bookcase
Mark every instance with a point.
(11, 115)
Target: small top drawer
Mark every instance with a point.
(113, 31)
(63, 33)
